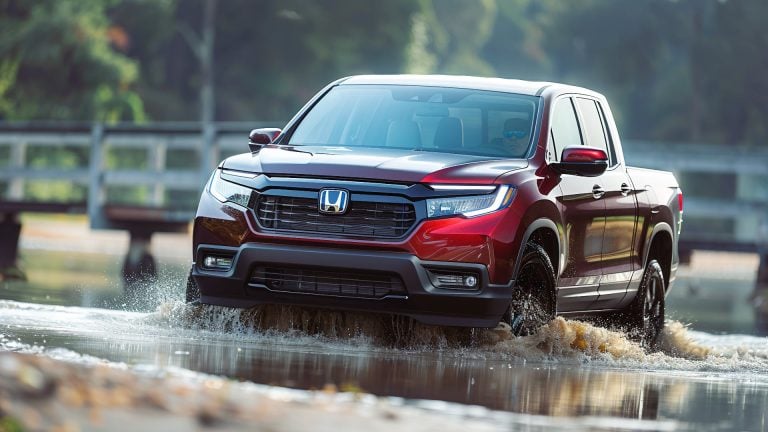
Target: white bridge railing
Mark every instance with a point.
(154, 173)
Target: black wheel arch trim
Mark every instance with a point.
(659, 227)
(529, 230)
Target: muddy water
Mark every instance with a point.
(567, 371)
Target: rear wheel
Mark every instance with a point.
(533, 301)
(646, 313)
(193, 291)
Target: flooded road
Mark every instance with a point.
(568, 370)
(568, 376)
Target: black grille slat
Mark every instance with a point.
(348, 283)
(363, 219)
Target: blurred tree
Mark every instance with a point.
(270, 56)
(281, 52)
(57, 62)
(674, 70)
(684, 70)
(447, 36)
(733, 60)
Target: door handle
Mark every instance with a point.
(597, 191)
(625, 189)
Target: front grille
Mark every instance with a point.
(338, 282)
(363, 219)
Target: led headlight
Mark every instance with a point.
(471, 206)
(225, 191)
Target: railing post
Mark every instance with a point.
(96, 179)
(209, 153)
(17, 162)
(157, 157)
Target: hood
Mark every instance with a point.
(390, 165)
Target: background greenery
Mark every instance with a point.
(684, 70)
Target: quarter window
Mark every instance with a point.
(592, 124)
(611, 146)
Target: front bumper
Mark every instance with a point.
(421, 299)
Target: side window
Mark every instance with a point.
(564, 127)
(593, 124)
(611, 145)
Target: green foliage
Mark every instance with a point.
(686, 70)
(57, 62)
(59, 157)
(10, 424)
(56, 191)
(179, 159)
(448, 35)
(130, 158)
(5, 155)
(682, 70)
(129, 195)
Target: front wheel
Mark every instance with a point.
(533, 301)
(646, 313)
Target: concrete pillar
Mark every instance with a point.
(760, 296)
(139, 268)
(10, 229)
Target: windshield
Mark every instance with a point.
(448, 120)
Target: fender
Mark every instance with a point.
(659, 227)
(533, 226)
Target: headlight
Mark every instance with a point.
(471, 206)
(225, 191)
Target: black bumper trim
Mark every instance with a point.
(423, 301)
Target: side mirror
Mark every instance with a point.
(258, 138)
(582, 161)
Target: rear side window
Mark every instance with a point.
(565, 128)
(611, 146)
(594, 131)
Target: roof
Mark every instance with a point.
(532, 88)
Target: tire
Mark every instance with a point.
(533, 301)
(646, 313)
(192, 293)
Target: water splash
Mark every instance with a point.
(559, 339)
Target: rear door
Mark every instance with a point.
(620, 209)
(584, 218)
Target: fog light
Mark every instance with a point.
(213, 262)
(452, 279)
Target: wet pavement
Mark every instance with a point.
(568, 371)
(568, 376)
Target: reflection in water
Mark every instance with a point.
(568, 369)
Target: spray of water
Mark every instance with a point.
(559, 339)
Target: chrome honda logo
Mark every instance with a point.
(333, 201)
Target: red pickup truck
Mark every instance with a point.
(457, 201)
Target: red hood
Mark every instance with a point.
(391, 165)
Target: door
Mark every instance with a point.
(620, 210)
(584, 218)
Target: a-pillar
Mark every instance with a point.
(139, 269)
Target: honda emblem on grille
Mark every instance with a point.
(333, 201)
